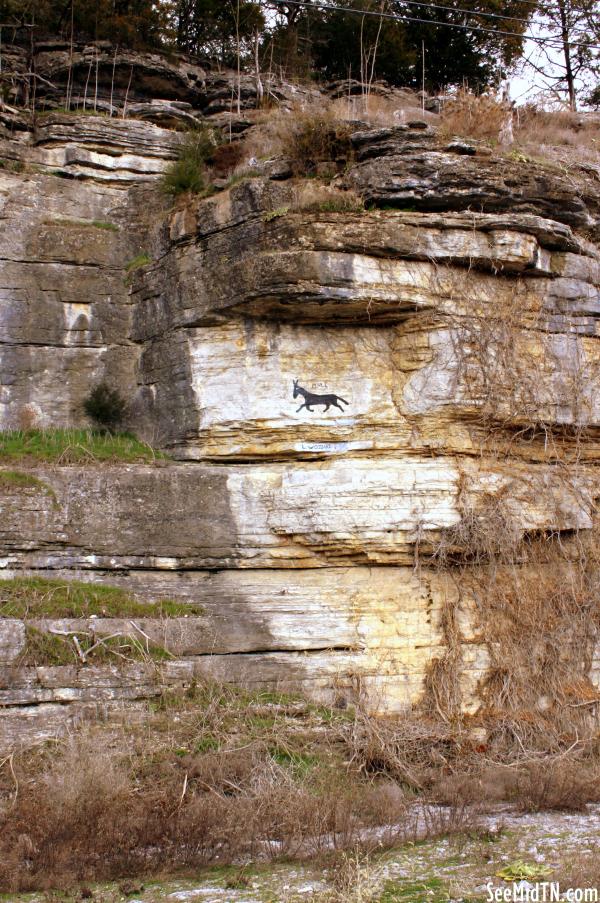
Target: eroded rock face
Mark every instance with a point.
(456, 345)
(64, 309)
(314, 514)
(104, 78)
(403, 167)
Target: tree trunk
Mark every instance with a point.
(259, 85)
(564, 32)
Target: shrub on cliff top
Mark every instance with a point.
(312, 138)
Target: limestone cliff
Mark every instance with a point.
(456, 317)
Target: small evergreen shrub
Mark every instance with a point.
(105, 406)
(188, 172)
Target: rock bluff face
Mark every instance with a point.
(461, 333)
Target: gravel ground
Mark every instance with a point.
(543, 847)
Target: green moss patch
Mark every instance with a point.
(16, 166)
(83, 223)
(16, 479)
(431, 890)
(37, 597)
(140, 260)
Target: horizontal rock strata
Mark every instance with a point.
(458, 340)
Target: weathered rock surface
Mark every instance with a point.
(405, 167)
(478, 315)
(12, 639)
(291, 631)
(105, 78)
(314, 515)
(64, 307)
(459, 339)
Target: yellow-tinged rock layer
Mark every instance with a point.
(364, 408)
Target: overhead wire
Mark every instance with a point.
(404, 18)
(468, 12)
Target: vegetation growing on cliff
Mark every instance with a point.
(188, 172)
(216, 774)
(43, 649)
(74, 446)
(105, 406)
(17, 479)
(39, 597)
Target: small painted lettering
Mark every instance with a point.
(323, 446)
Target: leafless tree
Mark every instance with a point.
(567, 65)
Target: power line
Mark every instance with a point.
(396, 18)
(469, 12)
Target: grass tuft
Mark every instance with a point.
(82, 223)
(316, 137)
(74, 446)
(16, 166)
(102, 224)
(38, 597)
(140, 260)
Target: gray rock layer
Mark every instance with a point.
(308, 533)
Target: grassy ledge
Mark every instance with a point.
(63, 446)
(82, 224)
(140, 260)
(37, 597)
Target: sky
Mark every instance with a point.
(525, 85)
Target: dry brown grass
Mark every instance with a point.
(558, 784)
(556, 137)
(380, 111)
(471, 115)
(226, 158)
(561, 135)
(408, 750)
(315, 136)
(313, 196)
(582, 870)
(221, 776)
(353, 879)
(311, 139)
(214, 777)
